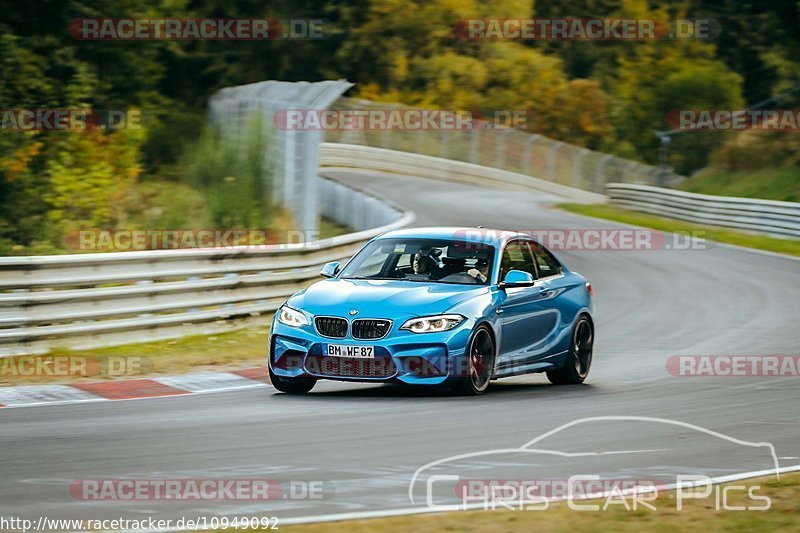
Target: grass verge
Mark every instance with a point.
(330, 228)
(770, 184)
(617, 214)
(697, 515)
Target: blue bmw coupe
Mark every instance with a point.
(456, 307)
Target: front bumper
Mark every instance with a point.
(414, 358)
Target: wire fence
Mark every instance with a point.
(507, 149)
(291, 160)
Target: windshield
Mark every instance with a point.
(424, 260)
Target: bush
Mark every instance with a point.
(756, 150)
(236, 176)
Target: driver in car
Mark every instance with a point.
(480, 271)
(424, 260)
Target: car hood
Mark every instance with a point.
(382, 298)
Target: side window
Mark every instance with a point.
(548, 265)
(517, 256)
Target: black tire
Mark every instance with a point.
(579, 360)
(480, 364)
(291, 385)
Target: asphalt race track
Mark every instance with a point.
(364, 442)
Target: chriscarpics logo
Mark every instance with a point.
(566, 464)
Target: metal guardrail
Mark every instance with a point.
(88, 300)
(765, 216)
(337, 155)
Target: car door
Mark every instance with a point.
(526, 319)
(558, 291)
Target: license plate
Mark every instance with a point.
(353, 352)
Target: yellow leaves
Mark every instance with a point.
(19, 162)
(400, 66)
(34, 149)
(90, 175)
(580, 114)
(462, 9)
(370, 91)
(506, 8)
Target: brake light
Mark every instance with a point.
(589, 288)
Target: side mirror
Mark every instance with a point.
(517, 278)
(329, 269)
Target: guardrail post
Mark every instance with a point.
(630, 168)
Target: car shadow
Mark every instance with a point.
(500, 388)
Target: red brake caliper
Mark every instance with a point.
(477, 364)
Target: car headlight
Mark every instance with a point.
(432, 324)
(292, 317)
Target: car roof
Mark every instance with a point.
(489, 236)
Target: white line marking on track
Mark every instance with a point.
(202, 382)
(24, 395)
